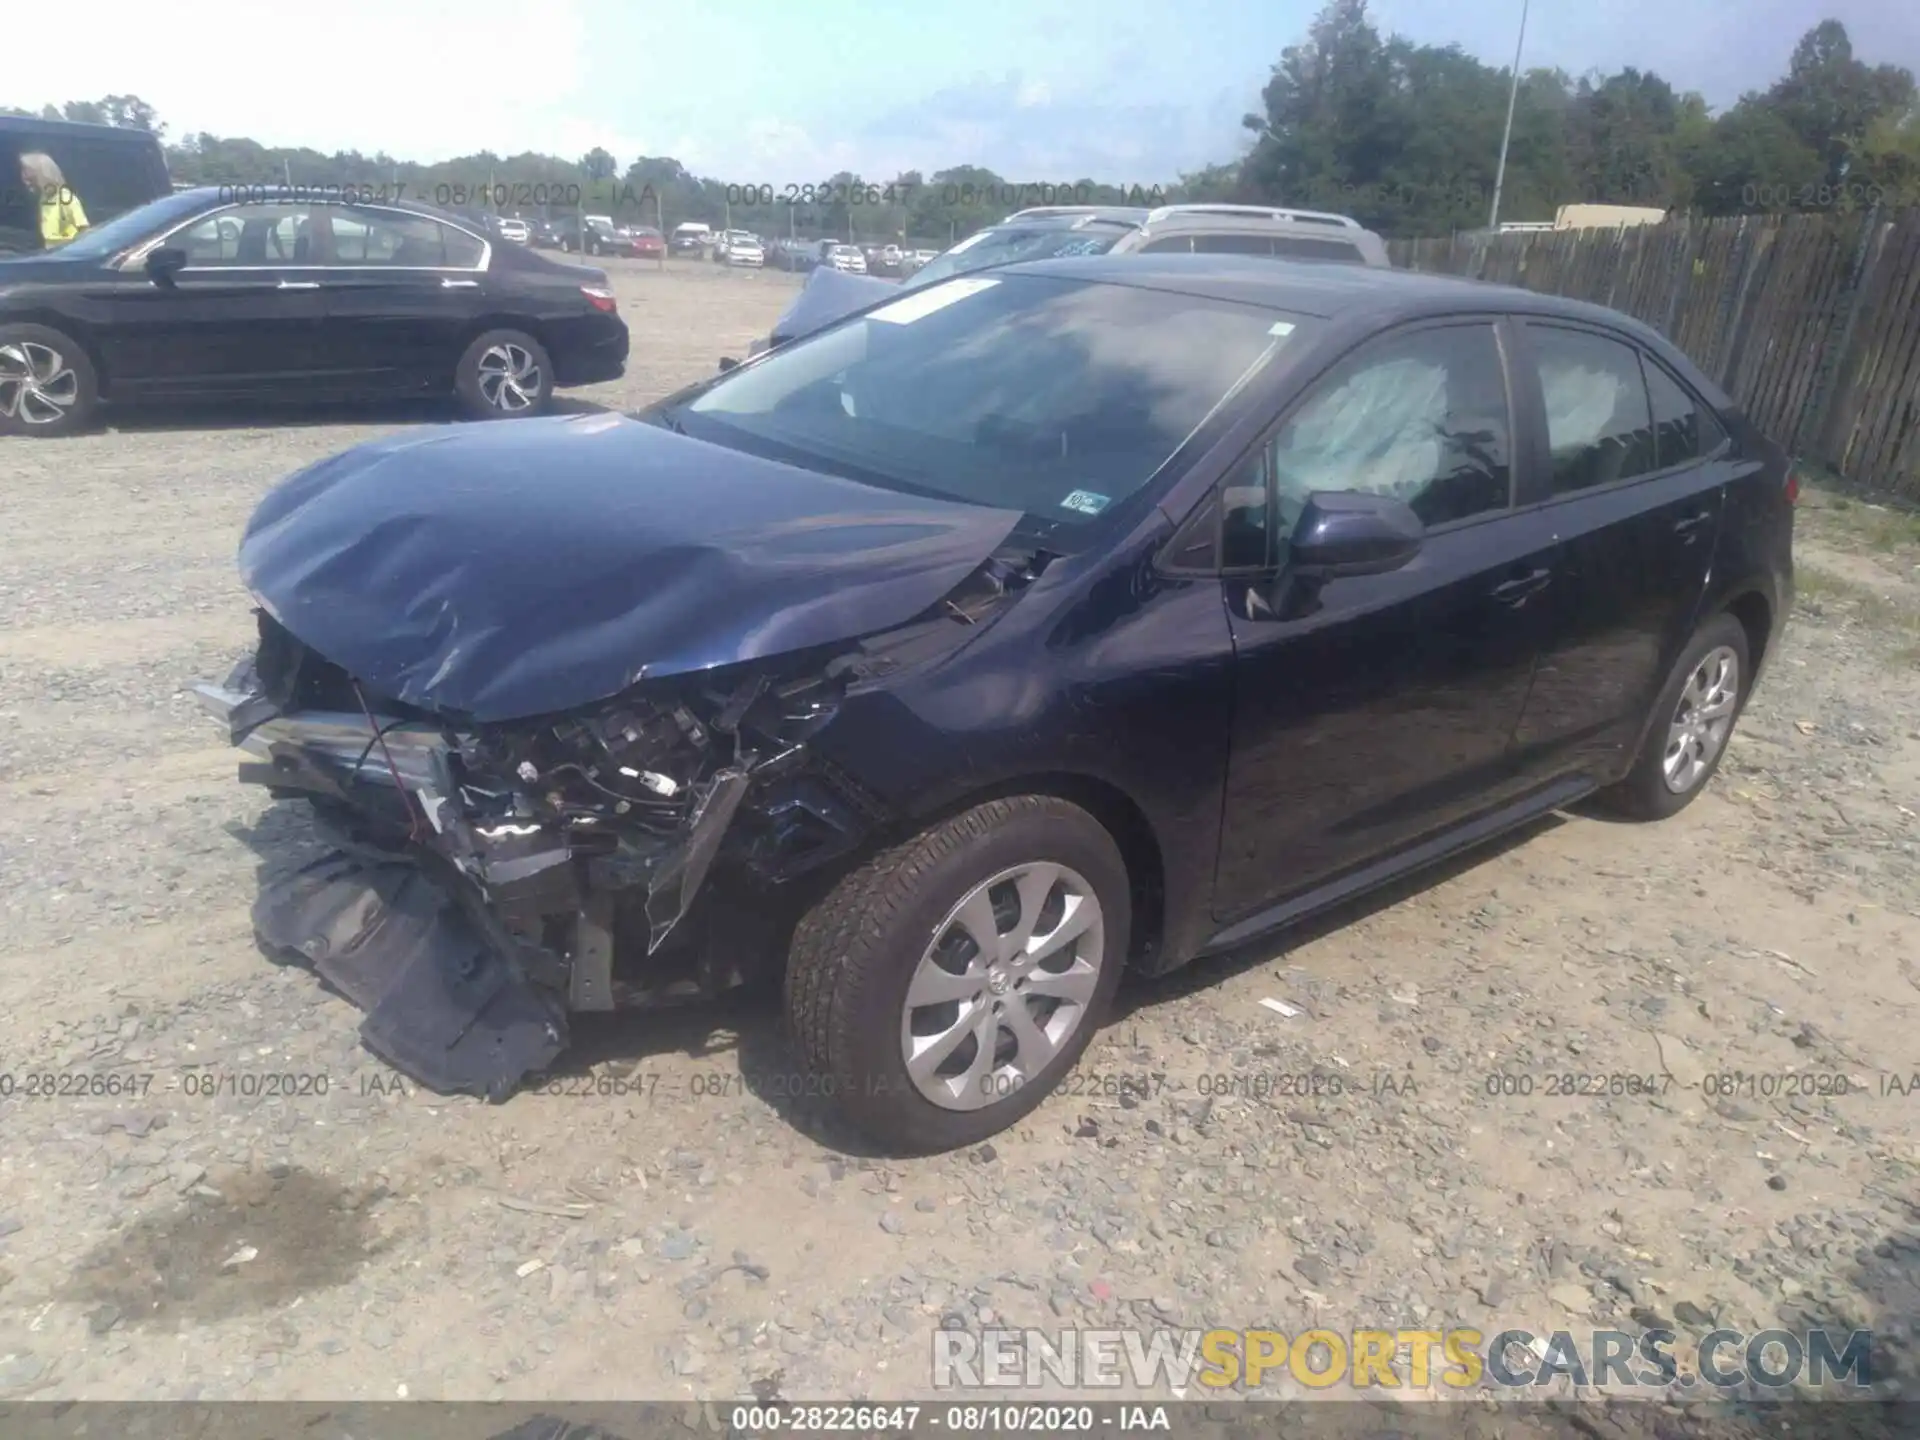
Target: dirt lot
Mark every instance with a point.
(711, 1232)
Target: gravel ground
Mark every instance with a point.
(708, 1231)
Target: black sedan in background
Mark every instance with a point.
(205, 295)
(1087, 614)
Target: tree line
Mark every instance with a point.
(1405, 137)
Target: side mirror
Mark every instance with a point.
(165, 263)
(1348, 532)
(727, 362)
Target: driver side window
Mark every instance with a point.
(1421, 417)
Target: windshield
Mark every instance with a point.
(1004, 244)
(103, 241)
(1055, 397)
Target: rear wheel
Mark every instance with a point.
(47, 383)
(504, 374)
(943, 989)
(1693, 720)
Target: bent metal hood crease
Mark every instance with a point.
(505, 571)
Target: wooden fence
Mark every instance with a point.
(1810, 322)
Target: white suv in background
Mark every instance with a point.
(745, 250)
(1055, 231)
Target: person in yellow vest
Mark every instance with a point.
(61, 215)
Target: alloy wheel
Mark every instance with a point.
(1702, 719)
(1004, 985)
(37, 385)
(509, 377)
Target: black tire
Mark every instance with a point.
(1646, 793)
(477, 391)
(856, 951)
(47, 382)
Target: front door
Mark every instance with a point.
(244, 317)
(1380, 709)
(1634, 492)
(402, 293)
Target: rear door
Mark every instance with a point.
(244, 317)
(1633, 490)
(402, 292)
(1378, 710)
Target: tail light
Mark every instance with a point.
(601, 298)
(1793, 485)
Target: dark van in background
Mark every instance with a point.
(109, 168)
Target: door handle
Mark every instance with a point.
(1515, 591)
(1690, 526)
(298, 285)
(459, 284)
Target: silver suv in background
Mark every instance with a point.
(1274, 231)
(1052, 231)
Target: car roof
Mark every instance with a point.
(1321, 290)
(76, 129)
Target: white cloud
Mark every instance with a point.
(424, 81)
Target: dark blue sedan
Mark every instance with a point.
(942, 665)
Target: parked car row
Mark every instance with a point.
(193, 296)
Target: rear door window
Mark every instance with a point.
(1599, 423)
(1683, 428)
(1311, 247)
(395, 238)
(1231, 244)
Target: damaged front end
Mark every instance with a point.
(484, 877)
(488, 879)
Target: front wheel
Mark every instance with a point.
(1693, 720)
(941, 990)
(47, 383)
(503, 375)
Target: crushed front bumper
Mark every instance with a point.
(465, 944)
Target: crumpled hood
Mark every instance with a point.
(828, 295)
(496, 572)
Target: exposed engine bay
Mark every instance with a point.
(485, 880)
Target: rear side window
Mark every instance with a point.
(1283, 247)
(392, 237)
(1683, 428)
(1306, 247)
(1233, 245)
(1599, 423)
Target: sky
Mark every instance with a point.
(789, 91)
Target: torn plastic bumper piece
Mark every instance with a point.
(443, 1003)
(671, 891)
(426, 934)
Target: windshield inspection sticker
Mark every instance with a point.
(1087, 502)
(1280, 329)
(934, 297)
